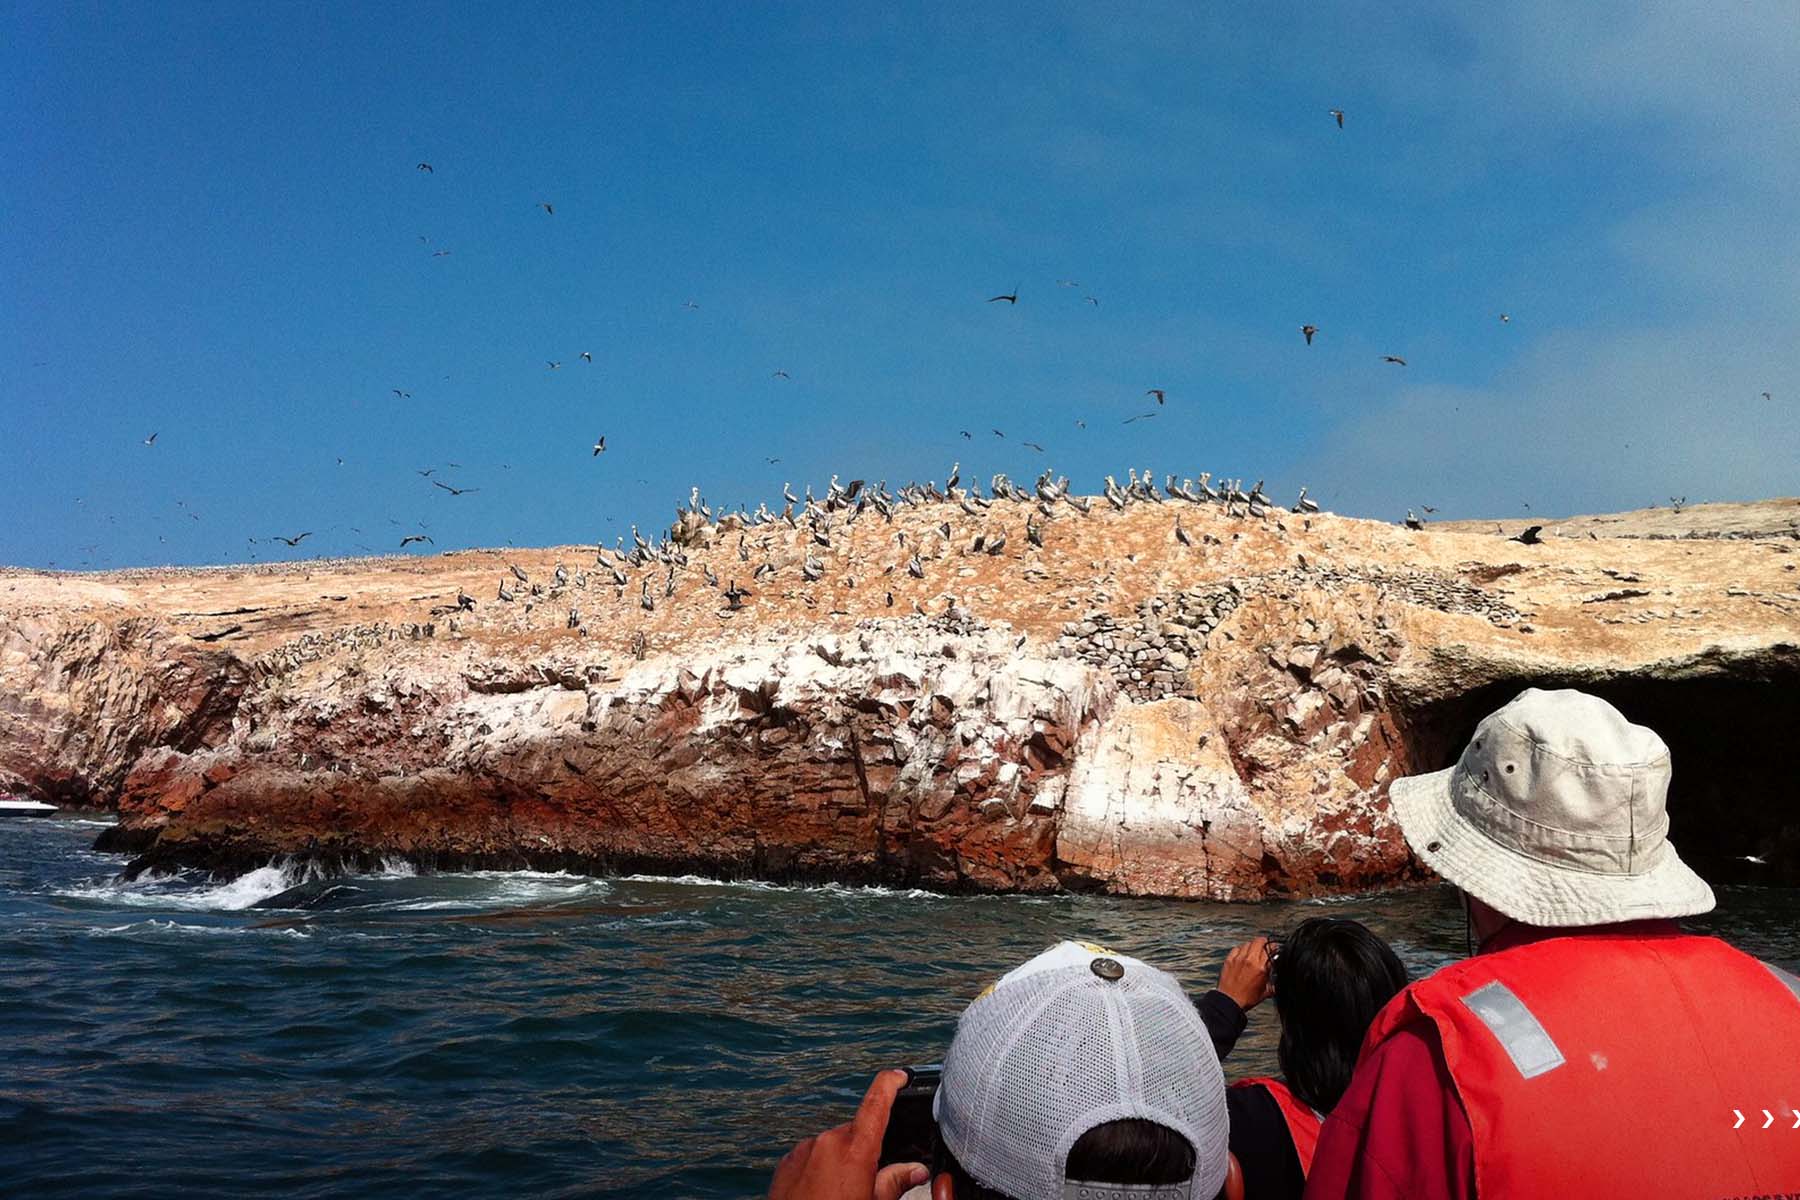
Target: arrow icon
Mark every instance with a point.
(1768, 1118)
(1740, 1118)
(1797, 1118)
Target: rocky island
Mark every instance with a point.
(1155, 699)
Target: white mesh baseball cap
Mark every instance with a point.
(1075, 1038)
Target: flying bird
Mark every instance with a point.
(151, 440)
(1339, 114)
(586, 357)
(779, 374)
(599, 447)
(426, 473)
(1394, 358)
(415, 537)
(998, 434)
(440, 254)
(1011, 297)
(689, 304)
(1506, 318)
(400, 395)
(1157, 392)
(1033, 446)
(554, 365)
(546, 206)
(294, 541)
(1093, 300)
(1067, 283)
(454, 491)
(1766, 396)
(969, 435)
(1529, 537)
(1139, 417)
(1309, 330)
(426, 167)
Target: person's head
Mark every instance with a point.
(1082, 1066)
(1555, 815)
(1331, 977)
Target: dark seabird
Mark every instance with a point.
(425, 167)
(1157, 392)
(416, 537)
(600, 446)
(1529, 537)
(1010, 297)
(734, 596)
(151, 440)
(1139, 417)
(294, 541)
(781, 375)
(518, 574)
(400, 395)
(1032, 446)
(1393, 358)
(547, 208)
(1338, 113)
(454, 491)
(1309, 330)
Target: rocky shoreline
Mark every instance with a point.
(1111, 710)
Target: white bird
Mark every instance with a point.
(600, 446)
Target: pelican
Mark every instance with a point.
(1303, 505)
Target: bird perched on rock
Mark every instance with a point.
(464, 601)
(1034, 532)
(734, 596)
(518, 574)
(1181, 535)
(574, 618)
(1303, 505)
(812, 569)
(915, 568)
(998, 544)
(644, 599)
(1529, 536)
(505, 592)
(1308, 331)
(1412, 520)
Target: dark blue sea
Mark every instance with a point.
(522, 1034)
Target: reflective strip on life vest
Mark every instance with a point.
(1520, 1034)
(1788, 981)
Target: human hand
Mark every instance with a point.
(1245, 975)
(841, 1163)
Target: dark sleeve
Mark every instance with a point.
(1263, 1146)
(1225, 1021)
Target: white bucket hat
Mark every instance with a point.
(1555, 815)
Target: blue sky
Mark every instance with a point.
(215, 231)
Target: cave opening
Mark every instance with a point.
(1734, 792)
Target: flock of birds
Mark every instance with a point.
(765, 537)
(1230, 494)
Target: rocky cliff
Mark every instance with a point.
(1215, 712)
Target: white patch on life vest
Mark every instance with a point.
(1598, 1059)
(1519, 1033)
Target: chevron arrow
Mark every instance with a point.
(1797, 1118)
(1768, 1118)
(1740, 1118)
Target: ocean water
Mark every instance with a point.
(517, 1033)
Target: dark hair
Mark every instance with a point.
(1129, 1151)
(1331, 977)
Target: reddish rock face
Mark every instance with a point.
(1111, 710)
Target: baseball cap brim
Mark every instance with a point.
(1527, 889)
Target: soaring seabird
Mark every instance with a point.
(1309, 330)
(454, 491)
(586, 357)
(426, 167)
(1393, 358)
(599, 447)
(417, 537)
(1529, 537)
(1010, 297)
(548, 209)
(294, 541)
(151, 440)
(1157, 392)
(1338, 113)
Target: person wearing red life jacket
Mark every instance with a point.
(1590, 1047)
(1329, 978)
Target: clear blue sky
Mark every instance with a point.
(214, 230)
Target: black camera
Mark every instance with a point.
(911, 1130)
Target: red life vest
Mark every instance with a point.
(1302, 1119)
(1604, 1064)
